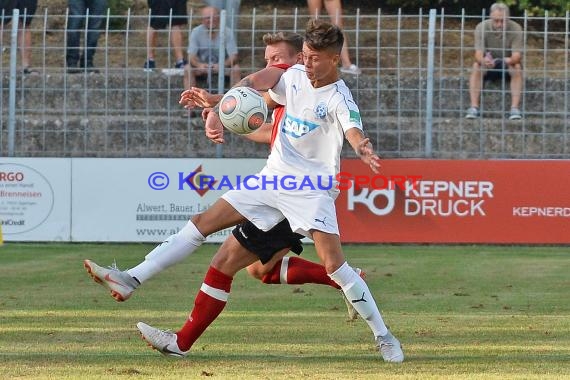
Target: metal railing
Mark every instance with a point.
(412, 93)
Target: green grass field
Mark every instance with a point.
(465, 312)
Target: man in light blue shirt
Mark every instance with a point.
(203, 50)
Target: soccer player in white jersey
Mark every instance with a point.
(320, 113)
(283, 49)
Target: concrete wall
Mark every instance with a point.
(135, 114)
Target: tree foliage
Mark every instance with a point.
(540, 7)
(517, 7)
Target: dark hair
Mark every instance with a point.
(322, 35)
(294, 40)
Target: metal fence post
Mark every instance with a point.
(221, 67)
(429, 84)
(12, 85)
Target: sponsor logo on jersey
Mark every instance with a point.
(295, 127)
(354, 116)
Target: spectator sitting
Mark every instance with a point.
(232, 11)
(160, 19)
(498, 53)
(27, 10)
(203, 50)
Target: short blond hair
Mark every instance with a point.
(294, 40)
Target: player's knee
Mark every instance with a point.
(332, 266)
(256, 271)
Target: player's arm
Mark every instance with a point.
(269, 100)
(198, 97)
(263, 79)
(260, 80)
(363, 148)
(215, 131)
(213, 126)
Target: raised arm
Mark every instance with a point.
(261, 80)
(363, 148)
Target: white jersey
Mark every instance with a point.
(311, 133)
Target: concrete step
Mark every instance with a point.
(136, 92)
(183, 136)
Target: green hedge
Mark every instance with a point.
(518, 7)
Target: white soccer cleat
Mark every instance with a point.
(163, 341)
(352, 313)
(390, 348)
(120, 283)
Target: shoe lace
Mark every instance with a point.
(163, 335)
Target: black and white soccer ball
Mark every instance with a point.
(242, 110)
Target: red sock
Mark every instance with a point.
(209, 303)
(298, 271)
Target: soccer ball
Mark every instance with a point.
(242, 110)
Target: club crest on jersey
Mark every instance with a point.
(320, 110)
(296, 127)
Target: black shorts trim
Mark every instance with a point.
(265, 244)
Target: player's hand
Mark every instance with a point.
(196, 98)
(213, 126)
(367, 155)
(187, 99)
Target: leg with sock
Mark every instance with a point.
(358, 293)
(356, 290)
(209, 303)
(173, 250)
(295, 270)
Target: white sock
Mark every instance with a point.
(284, 269)
(356, 289)
(173, 250)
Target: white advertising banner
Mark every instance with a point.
(147, 200)
(35, 198)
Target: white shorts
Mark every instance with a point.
(304, 209)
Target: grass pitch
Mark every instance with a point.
(467, 312)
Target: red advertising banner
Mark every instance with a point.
(455, 201)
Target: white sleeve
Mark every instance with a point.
(277, 93)
(348, 115)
